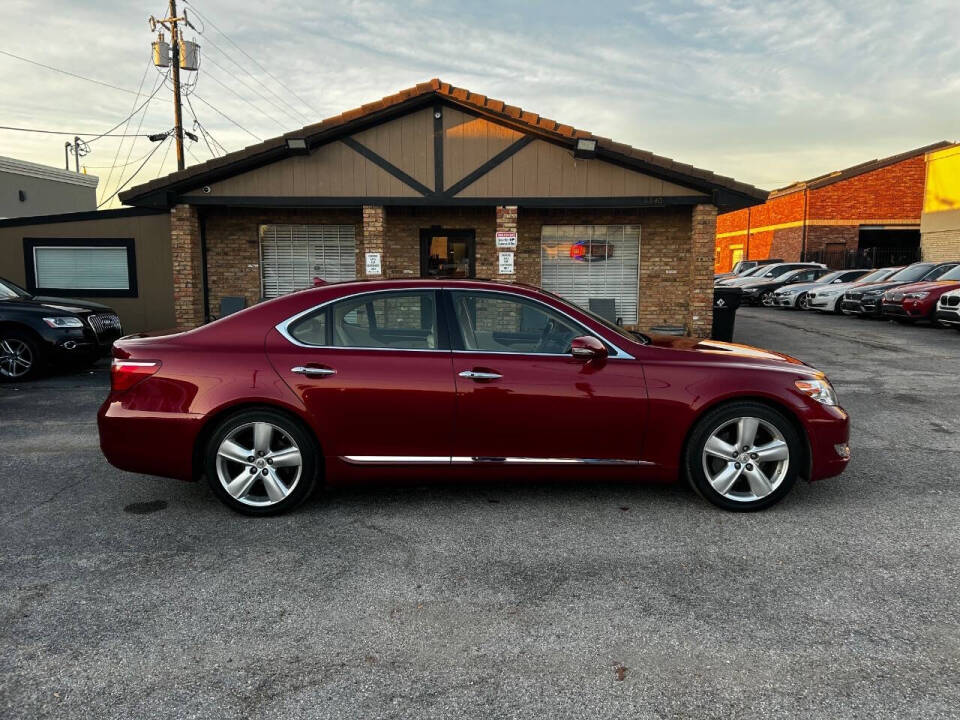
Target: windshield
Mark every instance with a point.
(952, 275)
(877, 275)
(938, 272)
(753, 271)
(11, 290)
(778, 271)
(830, 277)
(912, 273)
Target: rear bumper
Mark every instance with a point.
(168, 454)
(829, 436)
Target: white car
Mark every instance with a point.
(828, 298)
(948, 309)
(797, 296)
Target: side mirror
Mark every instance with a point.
(587, 348)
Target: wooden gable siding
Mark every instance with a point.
(543, 169)
(540, 169)
(470, 141)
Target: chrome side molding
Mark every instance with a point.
(478, 460)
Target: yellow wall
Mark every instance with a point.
(943, 180)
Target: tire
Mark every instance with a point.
(16, 348)
(721, 426)
(803, 302)
(765, 299)
(260, 485)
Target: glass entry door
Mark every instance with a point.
(448, 253)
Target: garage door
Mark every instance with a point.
(291, 256)
(584, 262)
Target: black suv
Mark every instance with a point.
(37, 332)
(865, 300)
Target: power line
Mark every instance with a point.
(67, 72)
(165, 153)
(253, 90)
(248, 56)
(297, 115)
(69, 132)
(248, 102)
(116, 153)
(127, 182)
(105, 167)
(203, 132)
(220, 112)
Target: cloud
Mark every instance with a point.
(767, 92)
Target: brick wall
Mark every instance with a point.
(187, 267)
(401, 255)
(819, 236)
(940, 246)
(371, 238)
(893, 192)
(702, 234)
(507, 222)
(233, 246)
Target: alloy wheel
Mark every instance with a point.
(745, 459)
(16, 358)
(259, 464)
(803, 302)
(766, 299)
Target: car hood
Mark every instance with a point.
(64, 305)
(803, 287)
(930, 286)
(877, 286)
(727, 350)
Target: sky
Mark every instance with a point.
(766, 92)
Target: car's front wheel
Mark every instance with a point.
(261, 462)
(19, 356)
(743, 456)
(803, 302)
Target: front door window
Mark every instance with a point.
(447, 253)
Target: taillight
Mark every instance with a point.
(124, 374)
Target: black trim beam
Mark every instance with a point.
(267, 201)
(438, 148)
(385, 164)
(80, 216)
(489, 165)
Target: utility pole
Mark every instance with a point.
(172, 23)
(175, 49)
(66, 155)
(76, 154)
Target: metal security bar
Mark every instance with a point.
(291, 256)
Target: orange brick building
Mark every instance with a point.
(865, 215)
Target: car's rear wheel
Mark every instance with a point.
(743, 456)
(261, 462)
(19, 356)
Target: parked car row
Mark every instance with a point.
(921, 292)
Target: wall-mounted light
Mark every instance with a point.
(585, 148)
(297, 146)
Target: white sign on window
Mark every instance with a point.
(507, 239)
(506, 263)
(373, 264)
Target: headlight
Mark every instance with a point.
(819, 389)
(916, 295)
(63, 322)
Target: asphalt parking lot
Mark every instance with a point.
(126, 596)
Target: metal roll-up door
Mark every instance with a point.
(291, 256)
(580, 262)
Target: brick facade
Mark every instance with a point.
(832, 214)
(941, 246)
(370, 238)
(676, 247)
(185, 249)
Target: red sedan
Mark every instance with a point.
(420, 380)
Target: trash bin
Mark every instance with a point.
(726, 300)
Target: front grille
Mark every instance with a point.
(853, 296)
(950, 300)
(104, 322)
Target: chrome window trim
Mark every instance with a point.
(479, 460)
(283, 327)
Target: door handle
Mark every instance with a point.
(313, 371)
(479, 375)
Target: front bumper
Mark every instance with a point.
(829, 435)
(824, 302)
(864, 306)
(787, 301)
(948, 317)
